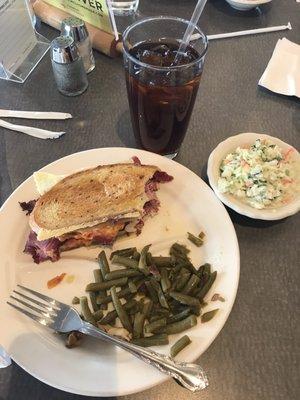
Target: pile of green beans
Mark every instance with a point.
(152, 296)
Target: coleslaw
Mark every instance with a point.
(261, 175)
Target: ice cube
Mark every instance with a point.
(162, 49)
(151, 57)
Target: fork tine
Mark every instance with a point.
(33, 308)
(38, 303)
(41, 321)
(44, 297)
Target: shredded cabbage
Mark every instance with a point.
(260, 175)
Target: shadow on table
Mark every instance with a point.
(124, 130)
(277, 97)
(241, 219)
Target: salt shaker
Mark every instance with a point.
(75, 27)
(68, 68)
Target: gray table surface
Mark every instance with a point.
(256, 355)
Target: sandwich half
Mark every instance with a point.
(91, 207)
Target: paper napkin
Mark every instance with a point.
(282, 74)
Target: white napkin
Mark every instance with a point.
(282, 74)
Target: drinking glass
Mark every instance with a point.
(162, 91)
(124, 7)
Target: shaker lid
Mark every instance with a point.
(64, 50)
(74, 27)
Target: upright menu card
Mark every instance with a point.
(95, 12)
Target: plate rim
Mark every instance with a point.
(228, 310)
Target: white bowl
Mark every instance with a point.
(245, 5)
(213, 173)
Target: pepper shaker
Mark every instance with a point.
(75, 27)
(68, 68)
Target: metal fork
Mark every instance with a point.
(63, 318)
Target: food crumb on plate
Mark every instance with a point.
(217, 297)
(70, 278)
(55, 281)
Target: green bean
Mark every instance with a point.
(130, 304)
(98, 315)
(185, 299)
(138, 325)
(201, 235)
(95, 287)
(179, 316)
(175, 272)
(151, 291)
(93, 296)
(194, 239)
(191, 284)
(180, 326)
(203, 281)
(147, 308)
(209, 315)
(162, 300)
(133, 310)
(103, 264)
(86, 312)
(155, 340)
(125, 261)
(206, 273)
(200, 271)
(149, 258)
(207, 268)
(204, 290)
(97, 275)
(154, 317)
(123, 293)
(75, 300)
(165, 281)
(109, 318)
(136, 256)
(121, 273)
(99, 278)
(112, 315)
(179, 345)
(161, 297)
(163, 262)
(138, 283)
(132, 287)
(142, 266)
(179, 258)
(160, 311)
(180, 248)
(122, 314)
(140, 278)
(155, 326)
(124, 252)
(189, 266)
(196, 310)
(182, 280)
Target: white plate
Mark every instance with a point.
(98, 369)
(245, 5)
(213, 173)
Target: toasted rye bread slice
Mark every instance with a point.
(90, 197)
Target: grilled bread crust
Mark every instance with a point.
(90, 197)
